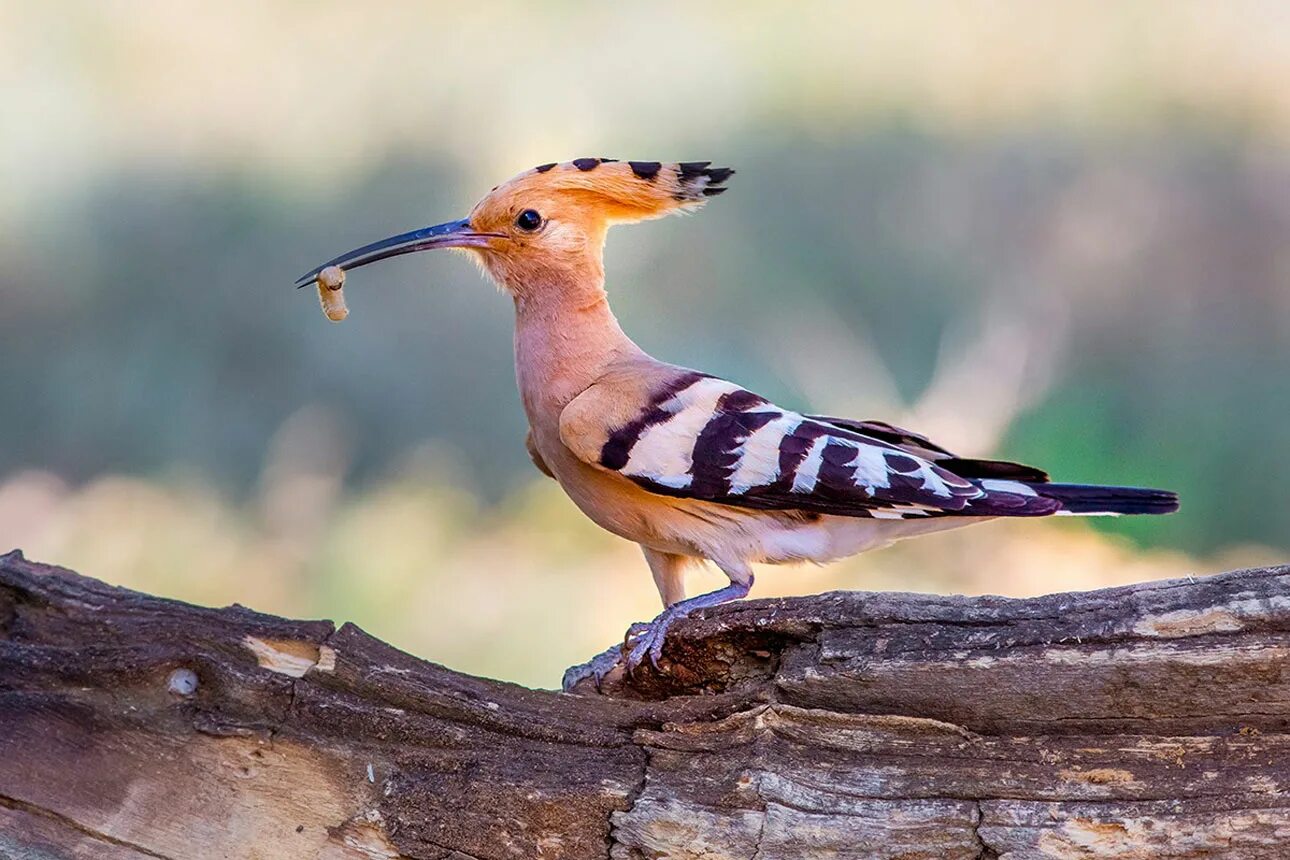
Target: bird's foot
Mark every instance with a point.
(642, 638)
(646, 638)
(597, 669)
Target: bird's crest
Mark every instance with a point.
(625, 190)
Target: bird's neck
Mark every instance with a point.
(565, 338)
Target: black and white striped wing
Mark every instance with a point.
(709, 439)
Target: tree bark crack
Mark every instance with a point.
(765, 817)
(986, 852)
(72, 824)
(629, 802)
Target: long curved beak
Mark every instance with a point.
(453, 234)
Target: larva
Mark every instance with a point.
(331, 294)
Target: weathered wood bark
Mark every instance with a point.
(1140, 722)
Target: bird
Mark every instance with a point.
(692, 467)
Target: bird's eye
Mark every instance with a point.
(528, 220)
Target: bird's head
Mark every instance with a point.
(546, 226)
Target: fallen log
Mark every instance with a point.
(1141, 722)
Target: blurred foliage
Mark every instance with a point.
(1054, 232)
(1152, 276)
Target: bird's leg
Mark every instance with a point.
(648, 639)
(669, 574)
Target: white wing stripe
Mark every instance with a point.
(997, 485)
(664, 452)
(809, 469)
(871, 467)
(758, 463)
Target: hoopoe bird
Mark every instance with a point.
(689, 466)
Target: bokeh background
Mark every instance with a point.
(1056, 232)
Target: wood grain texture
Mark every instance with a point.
(1141, 722)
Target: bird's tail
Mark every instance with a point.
(1095, 500)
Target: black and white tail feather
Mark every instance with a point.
(704, 438)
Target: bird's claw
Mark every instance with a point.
(646, 639)
(635, 631)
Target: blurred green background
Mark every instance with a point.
(1056, 232)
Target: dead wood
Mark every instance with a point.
(1140, 722)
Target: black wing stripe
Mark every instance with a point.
(617, 449)
(716, 451)
(793, 449)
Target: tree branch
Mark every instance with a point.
(1147, 721)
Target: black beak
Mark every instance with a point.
(454, 234)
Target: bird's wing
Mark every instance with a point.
(921, 446)
(695, 436)
(906, 440)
